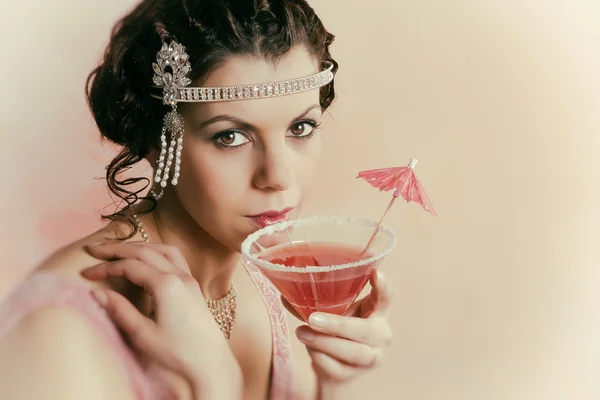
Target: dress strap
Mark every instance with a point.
(282, 375)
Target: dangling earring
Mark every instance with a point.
(172, 56)
(173, 124)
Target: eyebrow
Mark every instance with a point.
(242, 123)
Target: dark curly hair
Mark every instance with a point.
(119, 89)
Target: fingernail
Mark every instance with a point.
(318, 320)
(380, 277)
(305, 334)
(100, 297)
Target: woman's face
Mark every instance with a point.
(241, 159)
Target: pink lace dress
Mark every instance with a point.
(48, 289)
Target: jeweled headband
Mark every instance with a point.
(174, 90)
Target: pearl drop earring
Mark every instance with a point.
(173, 123)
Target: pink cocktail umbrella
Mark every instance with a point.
(404, 182)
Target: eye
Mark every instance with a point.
(302, 129)
(230, 139)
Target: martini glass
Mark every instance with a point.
(318, 264)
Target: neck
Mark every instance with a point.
(211, 263)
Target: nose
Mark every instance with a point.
(274, 171)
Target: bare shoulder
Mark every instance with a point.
(56, 353)
(73, 258)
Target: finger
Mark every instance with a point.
(145, 254)
(175, 259)
(348, 352)
(373, 331)
(291, 309)
(171, 253)
(377, 302)
(330, 369)
(143, 334)
(382, 293)
(362, 308)
(154, 281)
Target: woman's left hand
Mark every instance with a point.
(343, 347)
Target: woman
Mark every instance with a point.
(224, 99)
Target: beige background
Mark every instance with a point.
(497, 298)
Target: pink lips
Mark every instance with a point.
(271, 217)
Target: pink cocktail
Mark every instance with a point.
(317, 264)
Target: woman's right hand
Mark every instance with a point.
(185, 339)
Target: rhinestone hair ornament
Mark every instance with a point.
(174, 84)
(175, 90)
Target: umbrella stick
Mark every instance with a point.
(379, 225)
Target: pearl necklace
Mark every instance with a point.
(223, 309)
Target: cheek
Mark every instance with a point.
(307, 161)
(213, 178)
